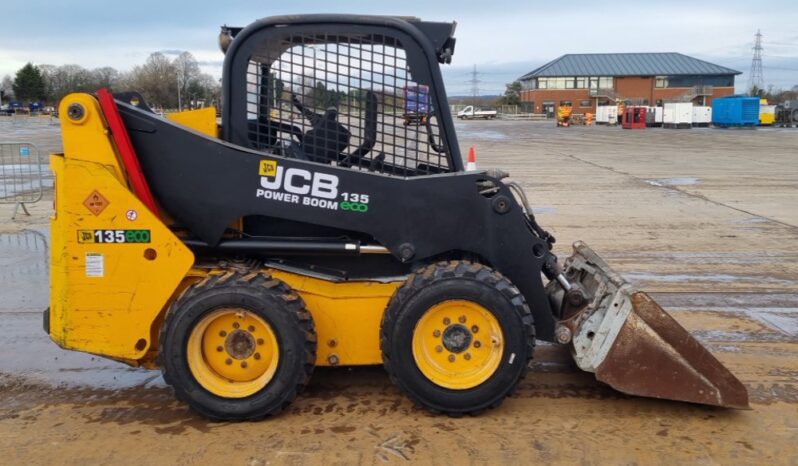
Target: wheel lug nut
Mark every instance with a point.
(436, 333)
(462, 319)
(467, 356)
(251, 328)
(228, 361)
(236, 325)
(477, 344)
(439, 348)
(243, 364)
(474, 329)
(446, 321)
(451, 358)
(256, 356)
(260, 341)
(219, 349)
(223, 334)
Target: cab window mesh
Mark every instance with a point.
(348, 100)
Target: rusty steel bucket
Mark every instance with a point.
(631, 343)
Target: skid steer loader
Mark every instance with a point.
(312, 227)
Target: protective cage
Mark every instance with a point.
(361, 100)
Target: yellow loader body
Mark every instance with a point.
(116, 267)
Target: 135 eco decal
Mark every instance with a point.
(114, 236)
(307, 188)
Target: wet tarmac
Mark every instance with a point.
(718, 253)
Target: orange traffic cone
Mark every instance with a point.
(472, 160)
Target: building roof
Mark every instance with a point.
(627, 64)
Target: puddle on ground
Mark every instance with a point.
(637, 277)
(685, 181)
(784, 320)
(27, 351)
(544, 210)
(24, 271)
(481, 134)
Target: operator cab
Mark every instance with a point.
(361, 95)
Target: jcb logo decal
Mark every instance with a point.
(85, 236)
(268, 168)
(302, 182)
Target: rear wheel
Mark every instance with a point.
(238, 347)
(457, 337)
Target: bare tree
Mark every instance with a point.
(187, 71)
(104, 77)
(7, 86)
(156, 79)
(204, 90)
(62, 80)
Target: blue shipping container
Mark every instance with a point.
(736, 110)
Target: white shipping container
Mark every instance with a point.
(607, 114)
(678, 115)
(702, 116)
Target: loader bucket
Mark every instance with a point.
(633, 345)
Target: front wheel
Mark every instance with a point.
(457, 337)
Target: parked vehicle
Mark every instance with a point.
(471, 112)
(787, 113)
(353, 245)
(416, 105)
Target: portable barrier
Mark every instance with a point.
(21, 175)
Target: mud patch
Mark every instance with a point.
(776, 393)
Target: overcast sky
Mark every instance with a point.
(504, 39)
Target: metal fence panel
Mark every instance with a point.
(21, 174)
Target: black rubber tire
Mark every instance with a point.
(271, 300)
(457, 280)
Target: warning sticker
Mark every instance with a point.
(95, 264)
(96, 203)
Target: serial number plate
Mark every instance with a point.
(113, 236)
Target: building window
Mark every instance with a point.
(661, 81)
(565, 103)
(585, 103)
(543, 83)
(605, 83)
(581, 83)
(659, 103)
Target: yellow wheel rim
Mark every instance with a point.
(458, 344)
(232, 353)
